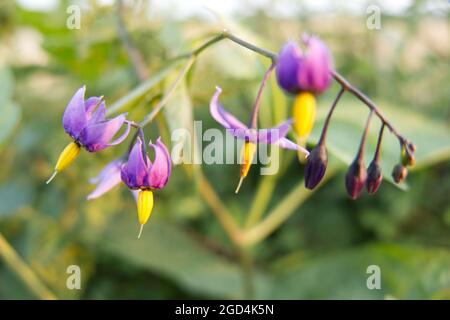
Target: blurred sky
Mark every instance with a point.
(279, 8)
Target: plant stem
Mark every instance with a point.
(134, 55)
(254, 117)
(245, 259)
(281, 212)
(363, 98)
(380, 138)
(148, 118)
(323, 135)
(23, 271)
(362, 144)
(219, 210)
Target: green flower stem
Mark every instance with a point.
(148, 118)
(261, 200)
(281, 212)
(23, 271)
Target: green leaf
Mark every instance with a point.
(141, 91)
(168, 251)
(407, 272)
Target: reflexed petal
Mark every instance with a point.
(274, 134)
(97, 136)
(108, 178)
(160, 169)
(107, 170)
(288, 144)
(74, 119)
(287, 67)
(227, 120)
(134, 172)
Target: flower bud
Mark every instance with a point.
(316, 166)
(374, 177)
(399, 173)
(355, 178)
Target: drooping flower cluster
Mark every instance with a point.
(304, 74)
(84, 120)
(251, 135)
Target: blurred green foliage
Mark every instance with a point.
(324, 248)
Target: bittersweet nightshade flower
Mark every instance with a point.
(84, 120)
(251, 136)
(139, 173)
(305, 74)
(107, 179)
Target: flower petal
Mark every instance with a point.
(97, 136)
(315, 68)
(134, 172)
(274, 134)
(227, 120)
(95, 114)
(160, 169)
(107, 179)
(287, 67)
(288, 144)
(74, 119)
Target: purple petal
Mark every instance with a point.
(95, 115)
(227, 120)
(107, 179)
(122, 137)
(314, 73)
(287, 67)
(288, 144)
(97, 136)
(160, 169)
(134, 172)
(274, 134)
(75, 119)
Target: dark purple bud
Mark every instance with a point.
(374, 177)
(316, 165)
(355, 178)
(399, 173)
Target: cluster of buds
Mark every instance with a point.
(84, 120)
(308, 73)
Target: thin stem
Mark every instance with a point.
(362, 144)
(380, 138)
(219, 210)
(246, 263)
(363, 98)
(280, 213)
(323, 135)
(23, 271)
(272, 56)
(134, 55)
(148, 118)
(254, 117)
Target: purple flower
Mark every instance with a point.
(84, 120)
(308, 70)
(107, 179)
(275, 135)
(140, 173)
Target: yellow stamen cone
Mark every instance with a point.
(247, 154)
(144, 206)
(70, 153)
(304, 115)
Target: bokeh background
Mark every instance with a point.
(323, 247)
